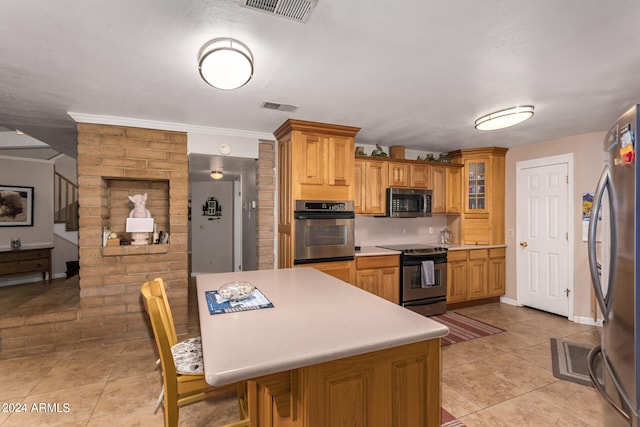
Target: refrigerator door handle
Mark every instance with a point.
(598, 385)
(604, 184)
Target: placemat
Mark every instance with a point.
(256, 301)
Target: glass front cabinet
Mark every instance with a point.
(483, 181)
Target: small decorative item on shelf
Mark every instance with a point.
(444, 158)
(378, 152)
(212, 208)
(113, 240)
(360, 151)
(396, 152)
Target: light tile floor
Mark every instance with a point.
(506, 379)
(500, 380)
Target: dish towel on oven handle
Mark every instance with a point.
(427, 278)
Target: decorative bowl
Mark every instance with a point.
(236, 291)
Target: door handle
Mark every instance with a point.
(524, 244)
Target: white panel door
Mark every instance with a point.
(543, 251)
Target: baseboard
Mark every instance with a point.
(587, 321)
(509, 301)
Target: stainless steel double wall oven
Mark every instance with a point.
(324, 231)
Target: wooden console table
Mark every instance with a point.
(26, 261)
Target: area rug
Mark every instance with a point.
(464, 328)
(569, 362)
(448, 420)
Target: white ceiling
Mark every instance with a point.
(414, 73)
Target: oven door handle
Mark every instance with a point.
(323, 215)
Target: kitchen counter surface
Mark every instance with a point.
(316, 318)
(375, 251)
(458, 247)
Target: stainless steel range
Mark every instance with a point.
(423, 277)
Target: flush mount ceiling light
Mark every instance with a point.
(504, 118)
(216, 174)
(225, 63)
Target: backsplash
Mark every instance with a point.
(377, 231)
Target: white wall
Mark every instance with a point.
(211, 240)
(16, 171)
(249, 212)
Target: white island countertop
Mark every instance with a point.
(316, 318)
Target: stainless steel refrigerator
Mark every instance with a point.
(617, 291)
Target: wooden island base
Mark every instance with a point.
(399, 386)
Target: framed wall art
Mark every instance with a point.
(16, 206)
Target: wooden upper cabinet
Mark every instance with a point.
(326, 160)
(398, 174)
(370, 184)
(420, 176)
(483, 187)
(454, 190)
(438, 185)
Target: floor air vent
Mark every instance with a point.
(296, 10)
(279, 107)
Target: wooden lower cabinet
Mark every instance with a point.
(456, 276)
(399, 386)
(478, 270)
(379, 275)
(343, 270)
(497, 272)
(475, 274)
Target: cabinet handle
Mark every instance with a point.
(524, 244)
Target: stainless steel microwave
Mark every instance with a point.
(408, 202)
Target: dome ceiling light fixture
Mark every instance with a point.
(504, 118)
(217, 174)
(225, 63)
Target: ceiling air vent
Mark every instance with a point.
(295, 10)
(279, 107)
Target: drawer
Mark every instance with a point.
(457, 256)
(28, 266)
(366, 262)
(497, 252)
(478, 254)
(23, 255)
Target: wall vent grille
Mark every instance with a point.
(295, 10)
(279, 107)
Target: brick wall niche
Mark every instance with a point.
(115, 162)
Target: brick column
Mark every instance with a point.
(266, 187)
(113, 163)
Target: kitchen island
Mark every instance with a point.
(326, 353)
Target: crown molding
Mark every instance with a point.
(178, 127)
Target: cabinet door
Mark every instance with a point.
(367, 280)
(497, 273)
(312, 169)
(457, 280)
(453, 190)
(438, 176)
(340, 159)
(420, 176)
(398, 174)
(478, 274)
(476, 173)
(389, 279)
(359, 179)
(375, 188)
